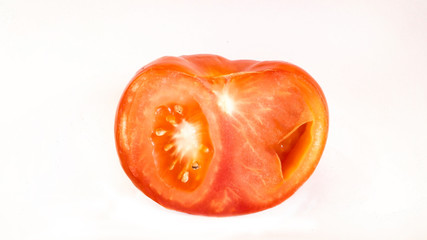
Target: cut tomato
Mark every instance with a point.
(205, 135)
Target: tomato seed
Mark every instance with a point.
(168, 147)
(195, 166)
(204, 148)
(184, 178)
(171, 120)
(173, 164)
(160, 132)
(178, 109)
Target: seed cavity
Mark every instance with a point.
(168, 147)
(181, 143)
(160, 132)
(184, 178)
(171, 119)
(195, 166)
(178, 109)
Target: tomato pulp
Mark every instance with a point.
(205, 135)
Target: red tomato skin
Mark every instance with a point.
(225, 192)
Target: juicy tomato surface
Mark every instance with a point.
(206, 135)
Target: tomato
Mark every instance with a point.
(205, 135)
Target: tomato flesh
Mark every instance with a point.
(205, 135)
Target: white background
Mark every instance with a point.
(64, 65)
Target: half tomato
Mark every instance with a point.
(205, 135)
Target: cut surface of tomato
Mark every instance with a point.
(182, 147)
(205, 135)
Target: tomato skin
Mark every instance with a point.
(246, 174)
